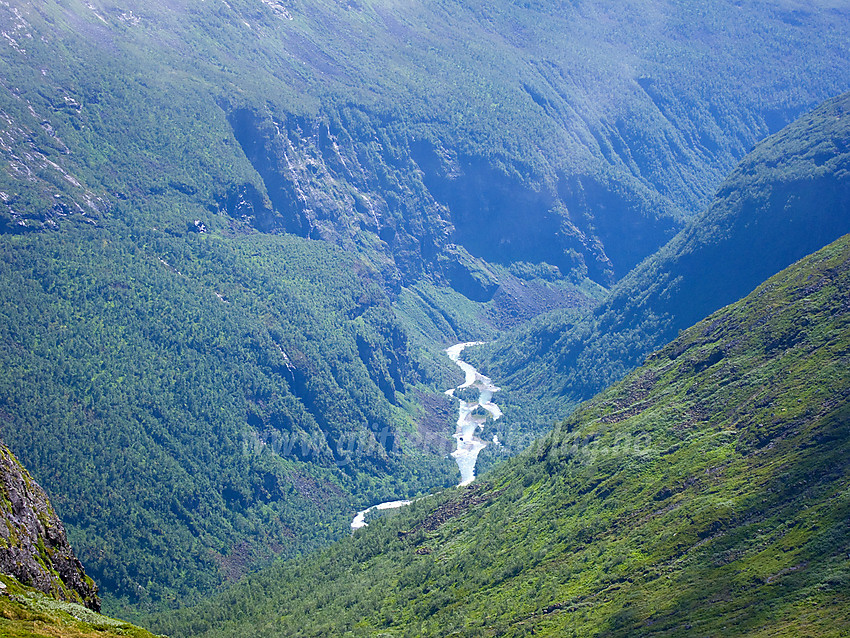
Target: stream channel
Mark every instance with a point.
(469, 421)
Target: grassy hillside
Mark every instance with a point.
(26, 613)
(234, 236)
(786, 199)
(705, 494)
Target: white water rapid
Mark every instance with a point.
(468, 444)
(360, 520)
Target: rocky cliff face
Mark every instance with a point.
(33, 545)
(419, 201)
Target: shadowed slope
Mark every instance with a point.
(788, 198)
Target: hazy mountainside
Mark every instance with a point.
(786, 199)
(705, 494)
(33, 546)
(202, 391)
(574, 133)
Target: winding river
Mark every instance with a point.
(468, 423)
(360, 520)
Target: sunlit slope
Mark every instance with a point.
(26, 613)
(705, 494)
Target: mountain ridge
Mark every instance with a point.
(616, 145)
(787, 198)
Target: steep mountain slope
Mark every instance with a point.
(201, 406)
(202, 391)
(44, 590)
(705, 494)
(787, 198)
(368, 125)
(33, 546)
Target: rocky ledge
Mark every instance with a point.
(33, 545)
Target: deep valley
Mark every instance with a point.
(238, 237)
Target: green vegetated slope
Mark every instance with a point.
(27, 613)
(786, 199)
(199, 406)
(705, 494)
(201, 391)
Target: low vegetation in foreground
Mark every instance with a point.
(27, 613)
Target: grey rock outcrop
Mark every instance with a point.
(33, 545)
